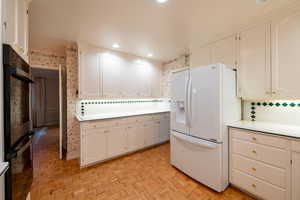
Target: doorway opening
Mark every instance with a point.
(48, 108)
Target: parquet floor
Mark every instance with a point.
(145, 175)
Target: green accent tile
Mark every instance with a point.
(271, 104)
(277, 104)
(264, 104)
(259, 104)
(292, 105)
(253, 104)
(285, 104)
(253, 108)
(253, 112)
(252, 116)
(299, 105)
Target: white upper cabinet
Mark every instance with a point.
(113, 73)
(90, 82)
(286, 57)
(224, 51)
(110, 74)
(9, 22)
(15, 22)
(254, 63)
(201, 56)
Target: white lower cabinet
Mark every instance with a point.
(116, 141)
(295, 170)
(261, 164)
(104, 139)
(151, 133)
(135, 138)
(93, 146)
(164, 130)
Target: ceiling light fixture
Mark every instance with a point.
(260, 2)
(150, 55)
(116, 46)
(161, 1)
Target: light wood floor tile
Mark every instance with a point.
(145, 175)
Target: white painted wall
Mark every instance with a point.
(1, 109)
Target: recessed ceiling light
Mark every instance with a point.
(150, 55)
(161, 1)
(116, 46)
(259, 2)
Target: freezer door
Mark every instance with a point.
(179, 103)
(205, 98)
(199, 159)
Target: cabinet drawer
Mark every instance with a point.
(259, 138)
(99, 131)
(270, 155)
(273, 175)
(257, 187)
(296, 145)
(98, 124)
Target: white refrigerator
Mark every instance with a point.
(204, 101)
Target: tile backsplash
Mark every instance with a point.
(279, 111)
(94, 107)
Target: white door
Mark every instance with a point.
(254, 63)
(201, 56)
(116, 141)
(60, 113)
(205, 109)
(179, 104)
(224, 51)
(135, 137)
(200, 159)
(93, 146)
(90, 81)
(286, 59)
(295, 176)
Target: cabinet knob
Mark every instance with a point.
(253, 151)
(274, 92)
(253, 185)
(106, 131)
(254, 169)
(254, 138)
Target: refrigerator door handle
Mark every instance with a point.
(186, 107)
(190, 101)
(195, 141)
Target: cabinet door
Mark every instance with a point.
(286, 59)
(9, 22)
(254, 63)
(201, 57)
(151, 131)
(135, 137)
(164, 130)
(295, 176)
(224, 51)
(89, 74)
(93, 146)
(22, 25)
(116, 141)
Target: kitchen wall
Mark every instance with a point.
(178, 63)
(46, 60)
(72, 89)
(279, 111)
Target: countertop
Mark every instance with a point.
(117, 115)
(269, 127)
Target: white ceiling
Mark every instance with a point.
(141, 26)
